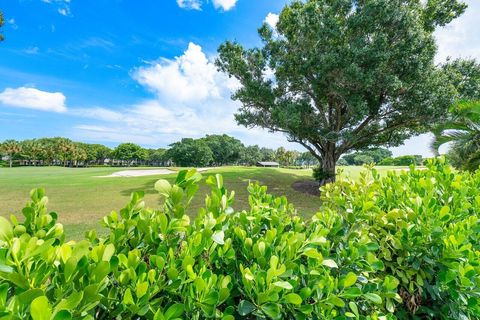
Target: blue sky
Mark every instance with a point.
(114, 71)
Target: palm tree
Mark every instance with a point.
(11, 148)
(462, 131)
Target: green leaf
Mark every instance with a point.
(350, 280)
(163, 187)
(40, 309)
(141, 289)
(336, 301)
(28, 296)
(63, 315)
(293, 298)
(272, 310)
(375, 298)
(70, 303)
(354, 308)
(174, 311)
(128, 298)
(108, 252)
(329, 263)
(283, 285)
(245, 307)
(6, 231)
(218, 237)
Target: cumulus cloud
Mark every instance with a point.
(191, 99)
(190, 77)
(272, 20)
(190, 4)
(32, 98)
(224, 4)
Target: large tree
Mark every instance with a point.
(343, 75)
(129, 152)
(226, 149)
(190, 153)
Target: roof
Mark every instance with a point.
(266, 163)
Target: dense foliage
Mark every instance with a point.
(212, 150)
(338, 76)
(366, 157)
(416, 160)
(462, 133)
(405, 246)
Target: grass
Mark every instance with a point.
(81, 198)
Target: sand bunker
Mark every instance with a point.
(143, 173)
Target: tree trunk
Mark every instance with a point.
(11, 161)
(327, 163)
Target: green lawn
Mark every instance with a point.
(81, 198)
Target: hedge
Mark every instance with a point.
(404, 246)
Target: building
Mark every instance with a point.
(268, 164)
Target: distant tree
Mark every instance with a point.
(226, 149)
(101, 152)
(12, 149)
(190, 153)
(402, 161)
(280, 155)
(375, 155)
(157, 156)
(308, 159)
(64, 150)
(342, 162)
(361, 159)
(251, 155)
(33, 151)
(129, 152)
(290, 157)
(267, 154)
(347, 75)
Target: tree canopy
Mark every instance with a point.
(190, 152)
(345, 75)
(129, 152)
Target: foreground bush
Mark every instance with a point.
(405, 246)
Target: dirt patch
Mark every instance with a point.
(311, 187)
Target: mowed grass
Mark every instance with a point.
(81, 197)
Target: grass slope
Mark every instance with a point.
(81, 198)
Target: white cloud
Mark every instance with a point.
(31, 50)
(272, 20)
(63, 6)
(64, 11)
(461, 38)
(32, 98)
(191, 99)
(190, 4)
(190, 77)
(224, 4)
(12, 23)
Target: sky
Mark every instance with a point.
(112, 71)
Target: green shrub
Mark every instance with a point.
(380, 248)
(402, 161)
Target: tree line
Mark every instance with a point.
(212, 150)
